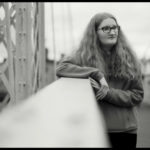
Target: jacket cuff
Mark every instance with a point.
(108, 96)
(97, 75)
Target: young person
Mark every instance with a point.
(106, 58)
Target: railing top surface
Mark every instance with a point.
(63, 114)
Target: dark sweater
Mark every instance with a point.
(119, 105)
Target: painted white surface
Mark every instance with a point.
(63, 114)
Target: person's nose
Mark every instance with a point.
(112, 32)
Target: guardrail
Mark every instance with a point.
(63, 114)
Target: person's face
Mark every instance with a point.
(108, 32)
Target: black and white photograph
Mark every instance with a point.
(74, 74)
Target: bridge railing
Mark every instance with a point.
(63, 114)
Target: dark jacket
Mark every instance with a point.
(119, 105)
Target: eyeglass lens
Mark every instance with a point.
(107, 29)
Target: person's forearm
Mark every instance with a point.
(126, 98)
(75, 71)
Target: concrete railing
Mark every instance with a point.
(63, 114)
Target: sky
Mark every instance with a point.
(133, 17)
(63, 32)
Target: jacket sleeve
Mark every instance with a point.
(126, 98)
(68, 68)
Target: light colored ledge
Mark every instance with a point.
(63, 114)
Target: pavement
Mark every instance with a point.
(143, 140)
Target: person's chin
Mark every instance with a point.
(111, 42)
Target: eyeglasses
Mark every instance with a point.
(107, 29)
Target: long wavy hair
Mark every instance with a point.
(124, 62)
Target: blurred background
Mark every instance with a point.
(71, 19)
(55, 30)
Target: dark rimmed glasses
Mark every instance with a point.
(107, 29)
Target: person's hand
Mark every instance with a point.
(94, 84)
(100, 89)
(102, 92)
(103, 82)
